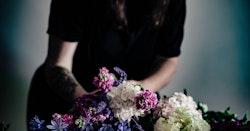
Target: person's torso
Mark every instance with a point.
(131, 48)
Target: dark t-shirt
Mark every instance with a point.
(133, 48)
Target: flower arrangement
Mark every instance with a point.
(122, 106)
(116, 106)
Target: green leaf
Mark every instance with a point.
(245, 119)
(185, 91)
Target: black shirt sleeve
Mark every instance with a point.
(171, 32)
(64, 20)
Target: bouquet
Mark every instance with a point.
(116, 106)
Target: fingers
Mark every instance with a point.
(134, 82)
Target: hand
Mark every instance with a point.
(142, 83)
(135, 82)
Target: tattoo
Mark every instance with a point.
(62, 82)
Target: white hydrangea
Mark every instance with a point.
(178, 99)
(181, 118)
(181, 100)
(122, 101)
(161, 125)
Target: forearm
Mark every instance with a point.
(162, 75)
(63, 83)
(58, 72)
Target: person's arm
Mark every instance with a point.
(168, 47)
(162, 75)
(59, 69)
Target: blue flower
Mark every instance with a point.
(57, 125)
(100, 107)
(123, 126)
(122, 74)
(36, 124)
(88, 127)
(106, 127)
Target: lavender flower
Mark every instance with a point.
(88, 127)
(123, 126)
(57, 125)
(106, 127)
(146, 100)
(123, 76)
(100, 107)
(36, 124)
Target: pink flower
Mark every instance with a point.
(105, 80)
(146, 100)
(66, 118)
(164, 109)
(168, 105)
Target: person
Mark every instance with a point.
(142, 37)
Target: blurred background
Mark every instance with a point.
(214, 64)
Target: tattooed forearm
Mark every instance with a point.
(62, 82)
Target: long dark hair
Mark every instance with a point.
(157, 12)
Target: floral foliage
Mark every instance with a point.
(224, 120)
